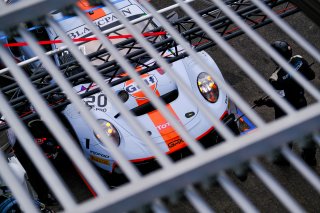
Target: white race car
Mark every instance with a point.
(160, 130)
(162, 133)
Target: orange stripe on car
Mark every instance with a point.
(167, 132)
(96, 14)
(180, 147)
(169, 135)
(133, 89)
(93, 14)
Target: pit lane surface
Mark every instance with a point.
(252, 187)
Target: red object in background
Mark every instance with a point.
(19, 44)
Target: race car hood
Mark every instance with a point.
(162, 86)
(136, 100)
(156, 80)
(151, 120)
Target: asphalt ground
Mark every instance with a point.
(250, 91)
(252, 187)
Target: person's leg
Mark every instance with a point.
(308, 153)
(309, 148)
(279, 159)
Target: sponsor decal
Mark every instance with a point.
(167, 132)
(175, 143)
(101, 22)
(160, 71)
(99, 154)
(101, 109)
(100, 160)
(84, 88)
(134, 90)
(163, 126)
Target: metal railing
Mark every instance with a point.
(213, 26)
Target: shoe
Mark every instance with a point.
(241, 173)
(242, 177)
(50, 201)
(281, 161)
(309, 159)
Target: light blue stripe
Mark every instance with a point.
(93, 9)
(116, 1)
(30, 29)
(247, 121)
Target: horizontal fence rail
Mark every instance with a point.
(64, 86)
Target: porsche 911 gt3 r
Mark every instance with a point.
(177, 102)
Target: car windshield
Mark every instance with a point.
(115, 37)
(76, 29)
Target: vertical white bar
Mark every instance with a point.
(265, 46)
(19, 192)
(288, 29)
(221, 83)
(316, 137)
(2, 4)
(54, 124)
(225, 132)
(237, 58)
(147, 91)
(67, 88)
(196, 200)
(96, 77)
(236, 194)
(283, 196)
(158, 206)
(37, 157)
(104, 32)
(302, 167)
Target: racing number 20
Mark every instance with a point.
(100, 99)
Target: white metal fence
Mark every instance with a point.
(215, 162)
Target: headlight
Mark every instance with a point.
(110, 130)
(208, 88)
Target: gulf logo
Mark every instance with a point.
(134, 90)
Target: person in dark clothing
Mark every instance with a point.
(290, 90)
(37, 182)
(44, 139)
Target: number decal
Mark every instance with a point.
(90, 101)
(100, 99)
